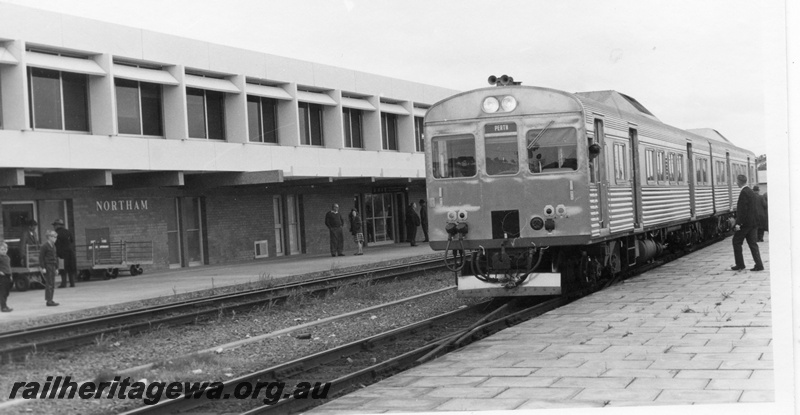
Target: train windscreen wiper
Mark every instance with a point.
(538, 136)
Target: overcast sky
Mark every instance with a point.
(693, 63)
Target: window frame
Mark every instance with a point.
(348, 115)
(679, 179)
(419, 134)
(311, 134)
(448, 138)
(207, 96)
(63, 112)
(620, 149)
(649, 168)
(141, 107)
(660, 165)
(389, 130)
(260, 125)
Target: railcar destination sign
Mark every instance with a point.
(114, 205)
(506, 127)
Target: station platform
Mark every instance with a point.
(98, 293)
(689, 332)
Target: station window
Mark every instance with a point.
(206, 113)
(310, 124)
(138, 107)
(58, 100)
(352, 128)
(552, 149)
(679, 168)
(453, 156)
(660, 164)
(502, 156)
(262, 119)
(389, 131)
(649, 154)
(620, 163)
(419, 134)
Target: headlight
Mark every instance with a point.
(462, 215)
(508, 103)
(490, 105)
(451, 216)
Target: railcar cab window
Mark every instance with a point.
(552, 149)
(453, 156)
(502, 156)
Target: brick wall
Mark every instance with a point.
(234, 223)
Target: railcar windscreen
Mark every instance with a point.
(502, 156)
(453, 156)
(555, 150)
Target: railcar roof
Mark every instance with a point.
(624, 104)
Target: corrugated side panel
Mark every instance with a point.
(704, 202)
(735, 201)
(620, 209)
(722, 199)
(594, 206)
(664, 204)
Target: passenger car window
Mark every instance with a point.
(453, 156)
(552, 149)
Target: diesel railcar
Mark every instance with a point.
(536, 191)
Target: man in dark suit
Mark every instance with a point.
(49, 260)
(334, 223)
(746, 226)
(761, 210)
(423, 218)
(65, 247)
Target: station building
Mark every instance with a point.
(212, 153)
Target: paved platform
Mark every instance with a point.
(98, 293)
(689, 332)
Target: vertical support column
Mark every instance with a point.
(236, 129)
(288, 118)
(176, 125)
(332, 122)
(405, 129)
(372, 126)
(102, 100)
(14, 78)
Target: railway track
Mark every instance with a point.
(350, 365)
(64, 336)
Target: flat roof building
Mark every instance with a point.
(212, 153)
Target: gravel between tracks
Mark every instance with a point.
(103, 360)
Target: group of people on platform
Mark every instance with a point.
(335, 224)
(59, 244)
(752, 220)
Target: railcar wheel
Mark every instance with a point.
(22, 283)
(134, 270)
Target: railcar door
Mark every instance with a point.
(597, 167)
(637, 185)
(690, 175)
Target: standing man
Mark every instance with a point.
(423, 218)
(761, 212)
(28, 238)
(412, 221)
(746, 226)
(49, 260)
(334, 222)
(65, 247)
(6, 279)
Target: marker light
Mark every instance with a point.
(490, 105)
(508, 103)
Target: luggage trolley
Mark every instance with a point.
(111, 256)
(29, 272)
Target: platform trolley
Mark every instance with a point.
(29, 274)
(113, 256)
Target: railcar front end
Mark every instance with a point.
(507, 187)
